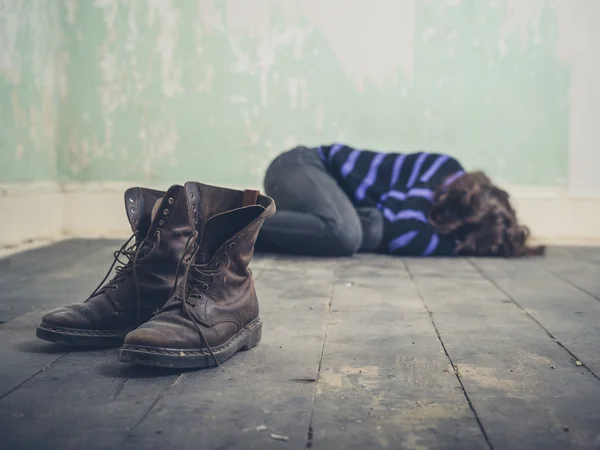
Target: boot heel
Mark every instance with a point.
(254, 335)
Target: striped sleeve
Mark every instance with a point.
(411, 234)
(406, 211)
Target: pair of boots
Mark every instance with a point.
(183, 295)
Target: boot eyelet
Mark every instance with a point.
(191, 195)
(161, 222)
(218, 265)
(170, 200)
(165, 212)
(134, 220)
(205, 287)
(132, 210)
(232, 245)
(157, 233)
(131, 200)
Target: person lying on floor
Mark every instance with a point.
(336, 201)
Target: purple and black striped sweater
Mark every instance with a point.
(401, 186)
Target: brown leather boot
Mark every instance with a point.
(144, 280)
(214, 310)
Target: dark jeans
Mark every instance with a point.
(314, 215)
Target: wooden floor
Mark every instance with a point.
(362, 353)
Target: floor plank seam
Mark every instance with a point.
(531, 317)
(454, 367)
(43, 369)
(310, 432)
(130, 431)
(120, 387)
(570, 283)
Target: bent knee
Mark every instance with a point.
(345, 240)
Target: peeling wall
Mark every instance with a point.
(31, 79)
(167, 90)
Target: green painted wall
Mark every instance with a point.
(30, 51)
(161, 91)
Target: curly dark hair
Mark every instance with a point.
(479, 216)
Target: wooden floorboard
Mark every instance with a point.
(567, 313)
(83, 400)
(64, 254)
(35, 282)
(52, 398)
(385, 379)
(581, 274)
(262, 393)
(66, 272)
(43, 257)
(525, 388)
(589, 254)
(22, 355)
(356, 353)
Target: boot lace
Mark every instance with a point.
(131, 253)
(198, 278)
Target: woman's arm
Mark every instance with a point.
(406, 213)
(412, 233)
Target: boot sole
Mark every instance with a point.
(81, 338)
(245, 339)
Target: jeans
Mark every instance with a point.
(314, 215)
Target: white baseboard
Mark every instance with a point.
(31, 212)
(48, 211)
(96, 210)
(559, 218)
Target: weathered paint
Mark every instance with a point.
(165, 90)
(31, 80)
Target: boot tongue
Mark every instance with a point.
(220, 213)
(155, 209)
(202, 258)
(220, 228)
(147, 246)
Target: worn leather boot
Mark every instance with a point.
(214, 310)
(144, 280)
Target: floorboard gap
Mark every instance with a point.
(570, 283)
(46, 367)
(531, 317)
(309, 433)
(454, 367)
(150, 408)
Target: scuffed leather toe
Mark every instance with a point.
(67, 317)
(163, 335)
